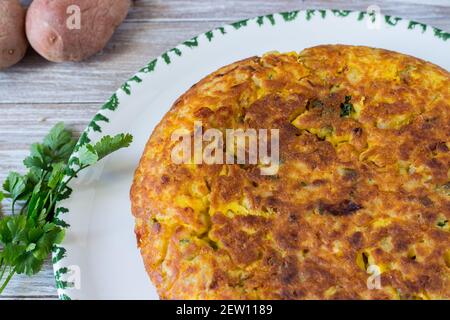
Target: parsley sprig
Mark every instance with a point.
(28, 235)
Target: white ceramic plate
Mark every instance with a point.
(99, 258)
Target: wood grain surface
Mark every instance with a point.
(36, 94)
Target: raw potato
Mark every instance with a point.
(48, 22)
(13, 42)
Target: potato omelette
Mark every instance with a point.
(358, 209)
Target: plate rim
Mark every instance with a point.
(60, 269)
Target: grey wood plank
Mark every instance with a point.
(432, 12)
(225, 10)
(35, 80)
(24, 124)
(41, 285)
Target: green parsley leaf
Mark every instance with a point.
(87, 155)
(34, 162)
(57, 146)
(60, 141)
(442, 223)
(16, 185)
(346, 107)
(108, 144)
(57, 174)
(31, 247)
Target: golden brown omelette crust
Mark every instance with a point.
(368, 187)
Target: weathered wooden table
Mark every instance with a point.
(36, 94)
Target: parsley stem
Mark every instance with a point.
(13, 204)
(10, 275)
(24, 206)
(73, 176)
(3, 271)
